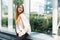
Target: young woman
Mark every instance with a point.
(23, 28)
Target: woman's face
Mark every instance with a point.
(20, 9)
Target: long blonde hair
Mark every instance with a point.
(17, 13)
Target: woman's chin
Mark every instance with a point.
(19, 11)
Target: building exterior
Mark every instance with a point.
(48, 6)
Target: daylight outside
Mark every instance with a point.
(59, 18)
(40, 18)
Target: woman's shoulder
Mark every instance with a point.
(22, 14)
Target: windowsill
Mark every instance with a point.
(33, 35)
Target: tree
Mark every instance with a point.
(16, 2)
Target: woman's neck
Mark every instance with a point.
(21, 13)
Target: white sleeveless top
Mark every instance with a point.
(23, 26)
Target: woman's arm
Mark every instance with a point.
(26, 23)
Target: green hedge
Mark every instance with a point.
(40, 24)
(4, 22)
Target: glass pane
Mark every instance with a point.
(59, 17)
(41, 16)
(4, 13)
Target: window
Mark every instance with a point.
(4, 13)
(58, 17)
(40, 18)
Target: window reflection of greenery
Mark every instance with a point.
(4, 22)
(39, 24)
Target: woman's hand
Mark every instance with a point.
(19, 35)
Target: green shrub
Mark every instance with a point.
(40, 24)
(14, 25)
(5, 13)
(4, 22)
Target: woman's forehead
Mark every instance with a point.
(20, 6)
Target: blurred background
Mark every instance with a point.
(39, 12)
(40, 15)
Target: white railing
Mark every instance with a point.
(0, 13)
(27, 7)
(55, 20)
(10, 14)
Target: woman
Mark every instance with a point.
(23, 28)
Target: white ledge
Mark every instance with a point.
(34, 35)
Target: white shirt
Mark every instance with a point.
(24, 22)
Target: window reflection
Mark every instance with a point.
(59, 17)
(4, 13)
(41, 16)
